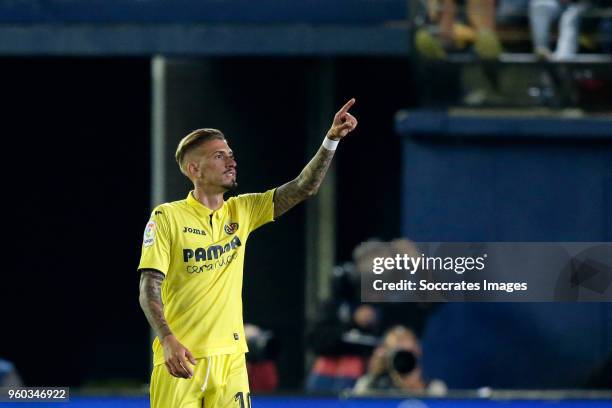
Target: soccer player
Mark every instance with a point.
(191, 269)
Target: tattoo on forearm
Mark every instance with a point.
(305, 185)
(151, 302)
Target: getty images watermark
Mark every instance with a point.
(508, 271)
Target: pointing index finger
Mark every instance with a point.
(347, 105)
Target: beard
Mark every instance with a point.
(232, 185)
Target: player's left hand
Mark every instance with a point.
(343, 123)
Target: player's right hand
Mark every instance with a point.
(177, 358)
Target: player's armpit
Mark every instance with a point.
(305, 185)
(151, 302)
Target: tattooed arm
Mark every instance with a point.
(151, 302)
(175, 354)
(308, 182)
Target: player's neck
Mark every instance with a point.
(214, 201)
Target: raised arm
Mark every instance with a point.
(175, 354)
(308, 182)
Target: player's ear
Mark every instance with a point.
(192, 169)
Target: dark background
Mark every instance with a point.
(76, 165)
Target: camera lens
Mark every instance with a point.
(403, 361)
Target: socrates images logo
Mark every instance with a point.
(231, 228)
(149, 234)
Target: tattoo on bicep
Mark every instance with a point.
(305, 185)
(285, 197)
(151, 301)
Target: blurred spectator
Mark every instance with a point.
(413, 315)
(261, 359)
(8, 375)
(363, 258)
(448, 34)
(364, 254)
(342, 350)
(347, 331)
(395, 366)
(542, 13)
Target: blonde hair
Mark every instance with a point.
(193, 140)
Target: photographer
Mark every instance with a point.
(261, 358)
(394, 365)
(347, 330)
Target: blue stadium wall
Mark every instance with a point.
(509, 179)
(185, 11)
(207, 27)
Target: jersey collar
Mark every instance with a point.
(201, 208)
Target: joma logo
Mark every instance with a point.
(194, 231)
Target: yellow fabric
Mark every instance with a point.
(201, 253)
(227, 384)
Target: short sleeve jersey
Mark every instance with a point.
(201, 254)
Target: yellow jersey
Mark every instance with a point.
(201, 254)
